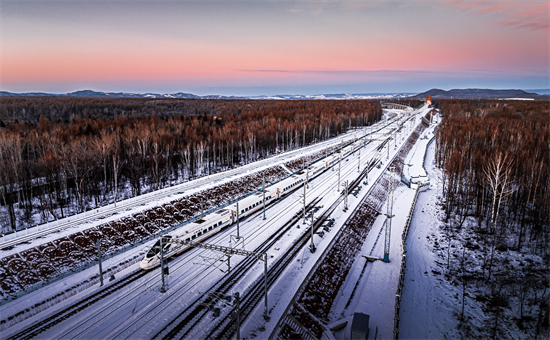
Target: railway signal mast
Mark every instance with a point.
(304, 211)
(389, 216)
(163, 288)
(99, 259)
(312, 245)
(359, 160)
(339, 166)
(233, 251)
(238, 236)
(263, 191)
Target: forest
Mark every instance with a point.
(60, 156)
(494, 157)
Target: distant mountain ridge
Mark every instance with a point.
(479, 94)
(434, 93)
(91, 93)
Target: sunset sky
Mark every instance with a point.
(273, 47)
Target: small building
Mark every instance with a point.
(360, 326)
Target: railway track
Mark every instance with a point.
(43, 325)
(225, 328)
(103, 212)
(66, 313)
(189, 317)
(224, 286)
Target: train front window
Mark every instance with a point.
(154, 250)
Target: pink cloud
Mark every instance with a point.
(519, 14)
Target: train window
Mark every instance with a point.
(154, 250)
(187, 239)
(193, 237)
(211, 228)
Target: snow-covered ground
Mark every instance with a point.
(39, 234)
(188, 278)
(431, 304)
(427, 304)
(375, 284)
(140, 310)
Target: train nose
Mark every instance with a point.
(148, 263)
(144, 264)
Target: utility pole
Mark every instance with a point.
(266, 315)
(263, 190)
(389, 216)
(312, 245)
(359, 161)
(237, 303)
(304, 213)
(346, 195)
(238, 220)
(368, 165)
(162, 289)
(332, 157)
(99, 258)
(307, 175)
(339, 166)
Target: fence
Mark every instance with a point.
(420, 188)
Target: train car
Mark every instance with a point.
(198, 231)
(211, 224)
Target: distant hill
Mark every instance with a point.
(91, 93)
(479, 94)
(545, 92)
(435, 93)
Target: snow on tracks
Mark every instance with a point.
(44, 263)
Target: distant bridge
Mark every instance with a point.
(388, 105)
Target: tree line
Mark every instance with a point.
(61, 156)
(495, 157)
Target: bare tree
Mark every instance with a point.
(498, 175)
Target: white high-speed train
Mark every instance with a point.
(211, 224)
